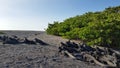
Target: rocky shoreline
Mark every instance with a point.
(37, 55)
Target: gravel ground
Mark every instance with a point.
(37, 56)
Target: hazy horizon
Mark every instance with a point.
(36, 14)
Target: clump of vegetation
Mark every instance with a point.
(1, 33)
(95, 28)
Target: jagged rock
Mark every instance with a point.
(40, 42)
(70, 49)
(118, 63)
(3, 38)
(14, 36)
(16, 40)
(26, 41)
(9, 40)
(84, 47)
(102, 56)
(72, 44)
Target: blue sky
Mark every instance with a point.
(36, 14)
